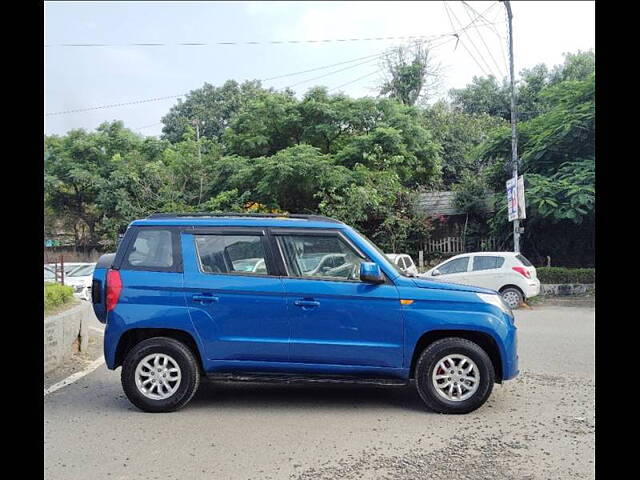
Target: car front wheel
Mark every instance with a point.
(454, 375)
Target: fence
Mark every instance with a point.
(455, 245)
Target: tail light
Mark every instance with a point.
(114, 287)
(522, 271)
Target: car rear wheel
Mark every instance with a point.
(454, 375)
(512, 297)
(160, 374)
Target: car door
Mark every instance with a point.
(454, 271)
(486, 271)
(336, 319)
(239, 313)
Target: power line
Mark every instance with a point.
(336, 71)
(482, 39)
(156, 99)
(495, 31)
(147, 126)
(474, 45)
(455, 33)
(354, 81)
(460, 40)
(259, 42)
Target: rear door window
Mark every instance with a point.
(229, 254)
(487, 263)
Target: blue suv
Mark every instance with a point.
(248, 297)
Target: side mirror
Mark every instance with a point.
(435, 273)
(370, 272)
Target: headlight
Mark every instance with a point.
(495, 300)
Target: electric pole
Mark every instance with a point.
(514, 133)
(196, 122)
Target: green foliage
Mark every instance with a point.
(212, 106)
(411, 74)
(56, 295)
(566, 275)
(459, 134)
(362, 160)
(558, 161)
(484, 95)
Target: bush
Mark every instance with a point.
(56, 295)
(566, 275)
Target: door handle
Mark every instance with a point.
(204, 298)
(307, 303)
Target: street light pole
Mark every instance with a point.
(514, 133)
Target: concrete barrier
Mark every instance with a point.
(562, 289)
(65, 333)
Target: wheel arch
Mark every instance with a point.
(510, 285)
(133, 336)
(483, 340)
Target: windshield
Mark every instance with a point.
(81, 271)
(375, 247)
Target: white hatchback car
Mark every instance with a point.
(509, 273)
(404, 262)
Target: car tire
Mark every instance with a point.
(174, 372)
(512, 297)
(444, 398)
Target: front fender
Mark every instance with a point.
(434, 309)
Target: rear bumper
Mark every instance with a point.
(532, 289)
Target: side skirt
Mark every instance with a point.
(297, 378)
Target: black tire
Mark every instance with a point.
(513, 293)
(430, 358)
(190, 374)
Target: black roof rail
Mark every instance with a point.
(297, 216)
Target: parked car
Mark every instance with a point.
(179, 306)
(509, 273)
(79, 277)
(404, 262)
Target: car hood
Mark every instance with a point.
(428, 283)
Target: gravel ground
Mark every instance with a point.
(537, 426)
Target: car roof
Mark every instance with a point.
(486, 254)
(241, 220)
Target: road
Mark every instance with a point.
(540, 425)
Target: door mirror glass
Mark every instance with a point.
(370, 273)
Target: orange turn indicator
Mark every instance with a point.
(405, 302)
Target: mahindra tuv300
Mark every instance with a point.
(295, 298)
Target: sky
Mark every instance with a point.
(78, 77)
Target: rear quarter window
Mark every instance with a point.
(153, 249)
(524, 260)
(487, 263)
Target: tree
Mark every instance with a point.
(213, 107)
(483, 96)
(558, 163)
(267, 124)
(458, 134)
(377, 204)
(411, 74)
(294, 178)
(77, 169)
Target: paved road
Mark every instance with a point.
(538, 426)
